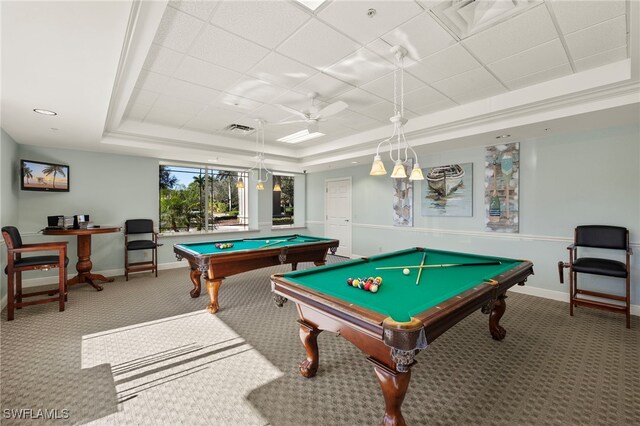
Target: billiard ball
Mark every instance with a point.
(373, 288)
(406, 271)
(379, 280)
(350, 281)
(367, 286)
(355, 282)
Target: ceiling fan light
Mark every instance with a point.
(398, 171)
(377, 168)
(240, 184)
(416, 173)
(260, 186)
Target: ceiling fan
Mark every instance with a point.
(312, 115)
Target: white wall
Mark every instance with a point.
(565, 181)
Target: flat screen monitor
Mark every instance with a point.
(40, 176)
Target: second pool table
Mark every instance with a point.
(246, 255)
(402, 318)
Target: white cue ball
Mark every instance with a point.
(406, 271)
(267, 241)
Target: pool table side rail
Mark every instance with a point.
(184, 248)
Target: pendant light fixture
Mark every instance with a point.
(402, 146)
(262, 171)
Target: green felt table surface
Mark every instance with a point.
(399, 297)
(209, 248)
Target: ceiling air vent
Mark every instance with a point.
(239, 129)
(467, 17)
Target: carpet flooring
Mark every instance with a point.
(144, 352)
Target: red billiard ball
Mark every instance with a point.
(367, 286)
(350, 281)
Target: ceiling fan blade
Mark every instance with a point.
(290, 122)
(333, 108)
(292, 111)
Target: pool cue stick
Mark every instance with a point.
(424, 256)
(442, 265)
(278, 242)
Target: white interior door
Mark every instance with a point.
(338, 213)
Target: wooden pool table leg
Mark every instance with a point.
(309, 337)
(394, 386)
(195, 279)
(499, 306)
(213, 285)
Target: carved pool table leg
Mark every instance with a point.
(195, 279)
(320, 263)
(212, 288)
(394, 388)
(497, 331)
(309, 337)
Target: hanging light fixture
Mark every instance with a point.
(277, 187)
(262, 171)
(402, 146)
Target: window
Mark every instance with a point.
(283, 200)
(201, 199)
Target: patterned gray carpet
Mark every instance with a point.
(144, 352)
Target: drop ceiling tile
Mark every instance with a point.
(317, 45)
(253, 88)
(143, 97)
(383, 86)
(177, 30)
(381, 111)
(167, 117)
(228, 50)
(237, 103)
(577, 15)
(539, 58)
(604, 58)
(162, 60)
(383, 49)
(189, 91)
(151, 81)
(269, 113)
(199, 8)
(267, 23)
(212, 119)
(422, 36)
(298, 100)
(327, 87)
(357, 99)
(360, 68)
(281, 71)
(444, 64)
(137, 111)
(206, 74)
(469, 86)
(421, 98)
(598, 38)
(351, 17)
(539, 77)
(357, 121)
(519, 33)
(434, 107)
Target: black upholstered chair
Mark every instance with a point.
(17, 264)
(599, 237)
(140, 227)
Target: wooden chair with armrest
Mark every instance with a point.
(17, 264)
(599, 237)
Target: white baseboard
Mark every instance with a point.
(526, 289)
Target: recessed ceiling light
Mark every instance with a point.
(300, 136)
(503, 136)
(44, 111)
(354, 162)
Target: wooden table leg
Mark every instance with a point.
(84, 265)
(213, 285)
(195, 275)
(394, 386)
(499, 306)
(309, 337)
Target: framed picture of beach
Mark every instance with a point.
(501, 189)
(403, 198)
(448, 190)
(39, 176)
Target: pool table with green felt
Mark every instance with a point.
(392, 325)
(246, 255)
